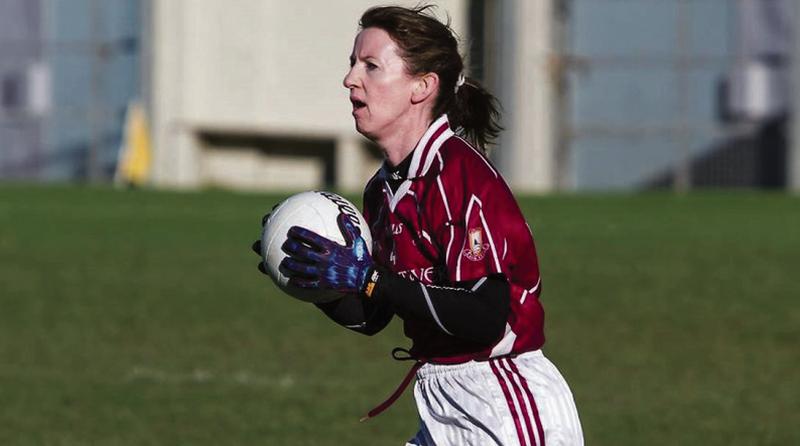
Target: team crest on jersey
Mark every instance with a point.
(477, 249)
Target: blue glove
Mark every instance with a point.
(316, 262)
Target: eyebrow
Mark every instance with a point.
(368, 58)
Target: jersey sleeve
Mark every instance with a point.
(485, 229)
(479, 246)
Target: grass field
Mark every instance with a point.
(139, 318)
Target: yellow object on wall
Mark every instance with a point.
(135, 160)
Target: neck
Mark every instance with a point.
(401, 141)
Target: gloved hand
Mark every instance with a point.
(256, 247)
(316, 262)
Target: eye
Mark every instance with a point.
(371, 66)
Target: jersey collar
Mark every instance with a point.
(425, 151)
(428, 146)
(421, 159)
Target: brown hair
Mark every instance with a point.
(430, 46)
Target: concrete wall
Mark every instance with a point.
(269, 69)
(521, 72)
(236, 86)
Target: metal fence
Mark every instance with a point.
(67, 71)
(675, 93)
(653, 93)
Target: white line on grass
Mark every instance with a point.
(203, 376)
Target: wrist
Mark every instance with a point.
(371, 282)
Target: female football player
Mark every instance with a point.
(452, 254)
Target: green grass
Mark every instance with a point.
(138, 318)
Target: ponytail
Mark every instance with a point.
(475, 113)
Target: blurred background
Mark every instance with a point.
(650, 143)
(597, 94)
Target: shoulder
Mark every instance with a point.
(459, 160)
(373, 191)
(462, 175)
(375, 184)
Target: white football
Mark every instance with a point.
(316, 211)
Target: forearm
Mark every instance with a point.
(475, 310)
(357, 314)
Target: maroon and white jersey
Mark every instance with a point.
(454, 219)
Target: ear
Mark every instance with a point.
(425, 87)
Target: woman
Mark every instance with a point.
(452, 253)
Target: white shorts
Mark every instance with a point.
(504, 401)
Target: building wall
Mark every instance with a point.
(237, 85)
(520, 70)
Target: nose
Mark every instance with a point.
(349, 80)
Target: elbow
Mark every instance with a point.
(494, 331)
(486, 331)
(499, 331)
(368, 330)
(486, 326)
(495, 326)
(496, 312)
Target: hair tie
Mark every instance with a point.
(461, 80)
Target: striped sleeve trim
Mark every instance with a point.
(433, 310)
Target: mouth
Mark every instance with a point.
(357, 104)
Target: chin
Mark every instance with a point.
(364, 132)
